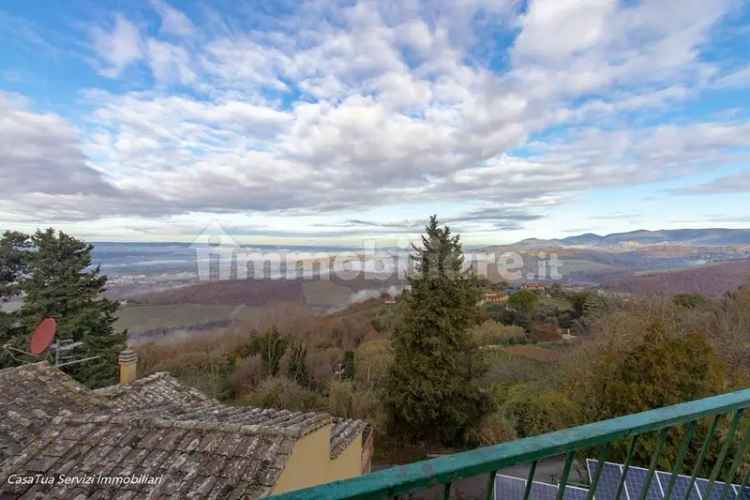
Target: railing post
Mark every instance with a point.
(681, 457)
(626, 466)
(599, 468)
(654, 462)
(566, 472)
(702, 454)
(736, 463)
(723, 453)
(529, 481)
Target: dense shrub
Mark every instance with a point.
(492, 429)
(280, 392)
(642, 361)
(536, 412)
(347, 401)
(207, 371)
(372, 360)
(247, 375)
(493, 333)
(323, 365)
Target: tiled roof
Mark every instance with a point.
(163, 396)
(193, 459)
(157, 426)
(31, 395)
(154, 390)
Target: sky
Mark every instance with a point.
(339, 122)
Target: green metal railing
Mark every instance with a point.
(403, 479)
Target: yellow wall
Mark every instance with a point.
(310, 463)
(348, 463)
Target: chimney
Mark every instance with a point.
(128, 366)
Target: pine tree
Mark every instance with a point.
(62, 284)
(432, 391)
(14, 248)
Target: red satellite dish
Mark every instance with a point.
(43, 335)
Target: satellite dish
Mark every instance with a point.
(43, 335)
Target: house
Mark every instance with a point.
(494, 298)
(530, 285)
(154, 437)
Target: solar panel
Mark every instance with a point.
(635, 481)
(609, 480)
(680, 486)
(717, 490)
(513, 488)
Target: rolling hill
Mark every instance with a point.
(695, 237)
(711, 280)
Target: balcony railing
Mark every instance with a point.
(403, 479)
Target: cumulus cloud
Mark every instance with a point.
(350, 107)
(45, 175)
(38, 151)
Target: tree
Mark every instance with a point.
(524, 301)
(639, 370)
(60, 283)
(14, 247)
(297, 367)
(534, 410)
(373, 360)
(348, 365)
(271, 347)
(432, 390)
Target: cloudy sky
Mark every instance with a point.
(332, 122)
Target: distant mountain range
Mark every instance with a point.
(695, 237)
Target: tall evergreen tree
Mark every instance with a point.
(62, 284)
(14, 248)
(432, 390)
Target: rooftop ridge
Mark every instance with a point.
(295, 431)
(344, 432)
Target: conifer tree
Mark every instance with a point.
(61, 283)
(432, 391)
(13, 265)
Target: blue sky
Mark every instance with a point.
(332, 123)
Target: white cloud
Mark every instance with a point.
(117, 48)
(169, 63)
(361, 106)
(173, 21)
(737, 79)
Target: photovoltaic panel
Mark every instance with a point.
(717, 490)
(680, 486)
(513, 488)
(609, 480)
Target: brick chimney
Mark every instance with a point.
(128, 361)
